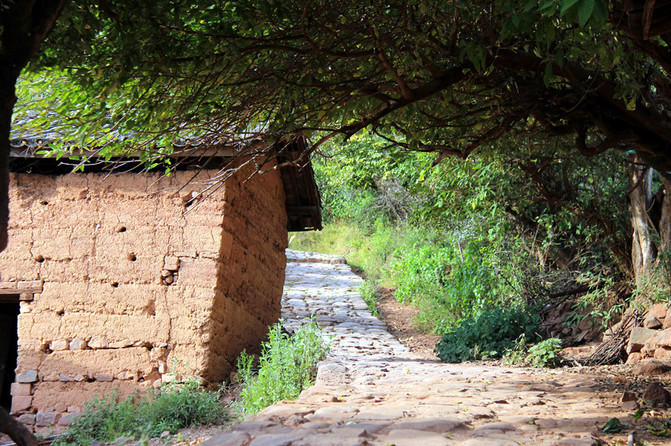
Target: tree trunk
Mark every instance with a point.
(643, 248)
(651, 223)
(17, 431)
(23, 27)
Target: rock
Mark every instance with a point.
(657, 395)
(629, 401)
(439, 425)
(228, 439)
(410, 437)
(29, 376)
(98, 342)
(27, 418)
(652, 323)
(660, 339)
(651, 368)
(634, 357)
(667, 320)
(274, 440)
(46, 418)
(638, 338)
(59, 345)
(662, 353)
(658, 310)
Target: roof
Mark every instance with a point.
(303, 202)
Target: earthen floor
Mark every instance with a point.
(371, 390)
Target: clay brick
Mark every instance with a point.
(20, 403)
(21, 389)
(107, 362)
(171, 263)
(75, 394)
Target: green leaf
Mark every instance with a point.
(530, 4)
(585, 9)
(613, 426)
(565, 5)
(600, 14)
(547, 74)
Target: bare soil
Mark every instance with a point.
(400, 319)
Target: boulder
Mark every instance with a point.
(660, 338)
(634, 358)
(652, 322)
(651, 368)
(629, 401)
(662, 353)
(657, 395)
(639, 337)
(658, 310)
(667, 319)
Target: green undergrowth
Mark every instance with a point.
(488, 334)
(546, 353)
(446, 276)
(287, 365)
(145, 415)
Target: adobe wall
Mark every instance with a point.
(135, 289)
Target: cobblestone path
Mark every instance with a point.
(371, 390)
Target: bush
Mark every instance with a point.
(145, 415)
(288, 364)
(487, 335)
(546, 353)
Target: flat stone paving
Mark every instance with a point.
(371, 390)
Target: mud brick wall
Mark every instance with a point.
(143, 278)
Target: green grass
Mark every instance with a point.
(446, 277)
(287, 365)
(145, 415)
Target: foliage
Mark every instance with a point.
(446, 77)
(546, 353)
(601, 304)
(369, 293)
(490, 230)
(517, 354)
(287, 365)
(142, 416)
(613, 426)
(487, 335)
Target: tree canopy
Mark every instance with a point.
(427, 75)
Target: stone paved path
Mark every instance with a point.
(373, 390)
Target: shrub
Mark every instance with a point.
(370, 295)
(487, 335)
(288, 364)
(145, 415)
(546, 353)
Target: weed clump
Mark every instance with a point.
(145, 415)
(287, 365)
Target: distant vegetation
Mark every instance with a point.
(519, 230)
